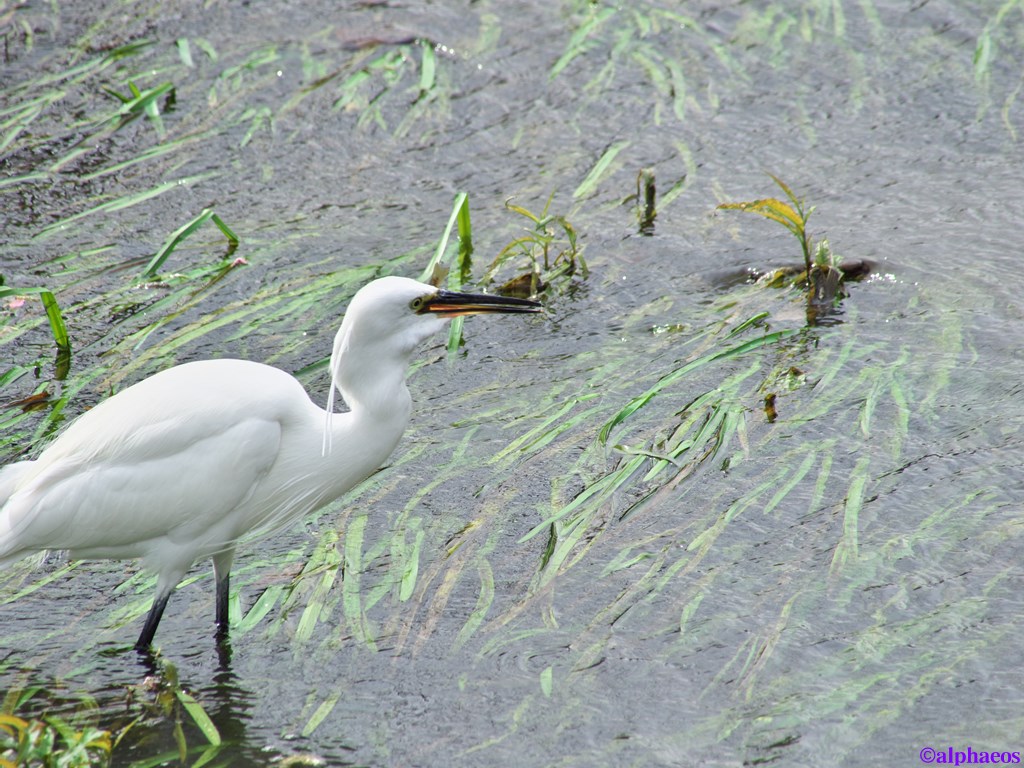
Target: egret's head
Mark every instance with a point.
(389, 317)
(384, 322)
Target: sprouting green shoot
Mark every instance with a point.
(792, 215)
(822, 274)
(175, 239)
(550, 247)
(138, 102)
(53, 313)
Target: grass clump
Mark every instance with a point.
(550, 249)
(76, 739)
(46, 740)
(51, 743)
(183, 232)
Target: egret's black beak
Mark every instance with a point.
(451, 304)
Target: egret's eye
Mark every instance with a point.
(418, 304)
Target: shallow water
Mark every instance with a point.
(841, 585)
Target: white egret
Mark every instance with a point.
(182, 465)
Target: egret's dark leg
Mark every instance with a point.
(223, 591)
(222, 576)
(152, 621)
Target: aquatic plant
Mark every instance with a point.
(138, 102)
(51, 743)
(792, 215)
(823, 272)
(52, 308)
(162, 699)
(623, 35)
(183, 232)
(48, 740)
(550, 249)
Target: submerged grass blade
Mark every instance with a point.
(126, 201)
(578, 43)
(848, 549)
(351, 593)
(411, 557)
(593, 178)
(639, 402)
(199, 716)
(321, 713)
(485, 597)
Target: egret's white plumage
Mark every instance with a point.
(182, 465)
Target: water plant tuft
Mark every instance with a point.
(823, 272)
(550, 249)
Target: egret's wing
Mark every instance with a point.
(122, 498)
(138, 468)
(10, 476)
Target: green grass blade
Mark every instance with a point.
(578, 42)
(351, 595)
(183, 232)
(126, 201)
(320, 715)
(640, 401)
(428, 68)
(263, 605)
(791, 479)
(410, 571)
(60, 331)
(589, 184)
(461, 199)
(199, 716)
(465, 230)
(484, 599)
(53, 313)
(228, 233)
(848, 548)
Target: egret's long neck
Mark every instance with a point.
(373, 385)
(372, 382)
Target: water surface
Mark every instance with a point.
(838, 586)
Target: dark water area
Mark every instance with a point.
(840, 585)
